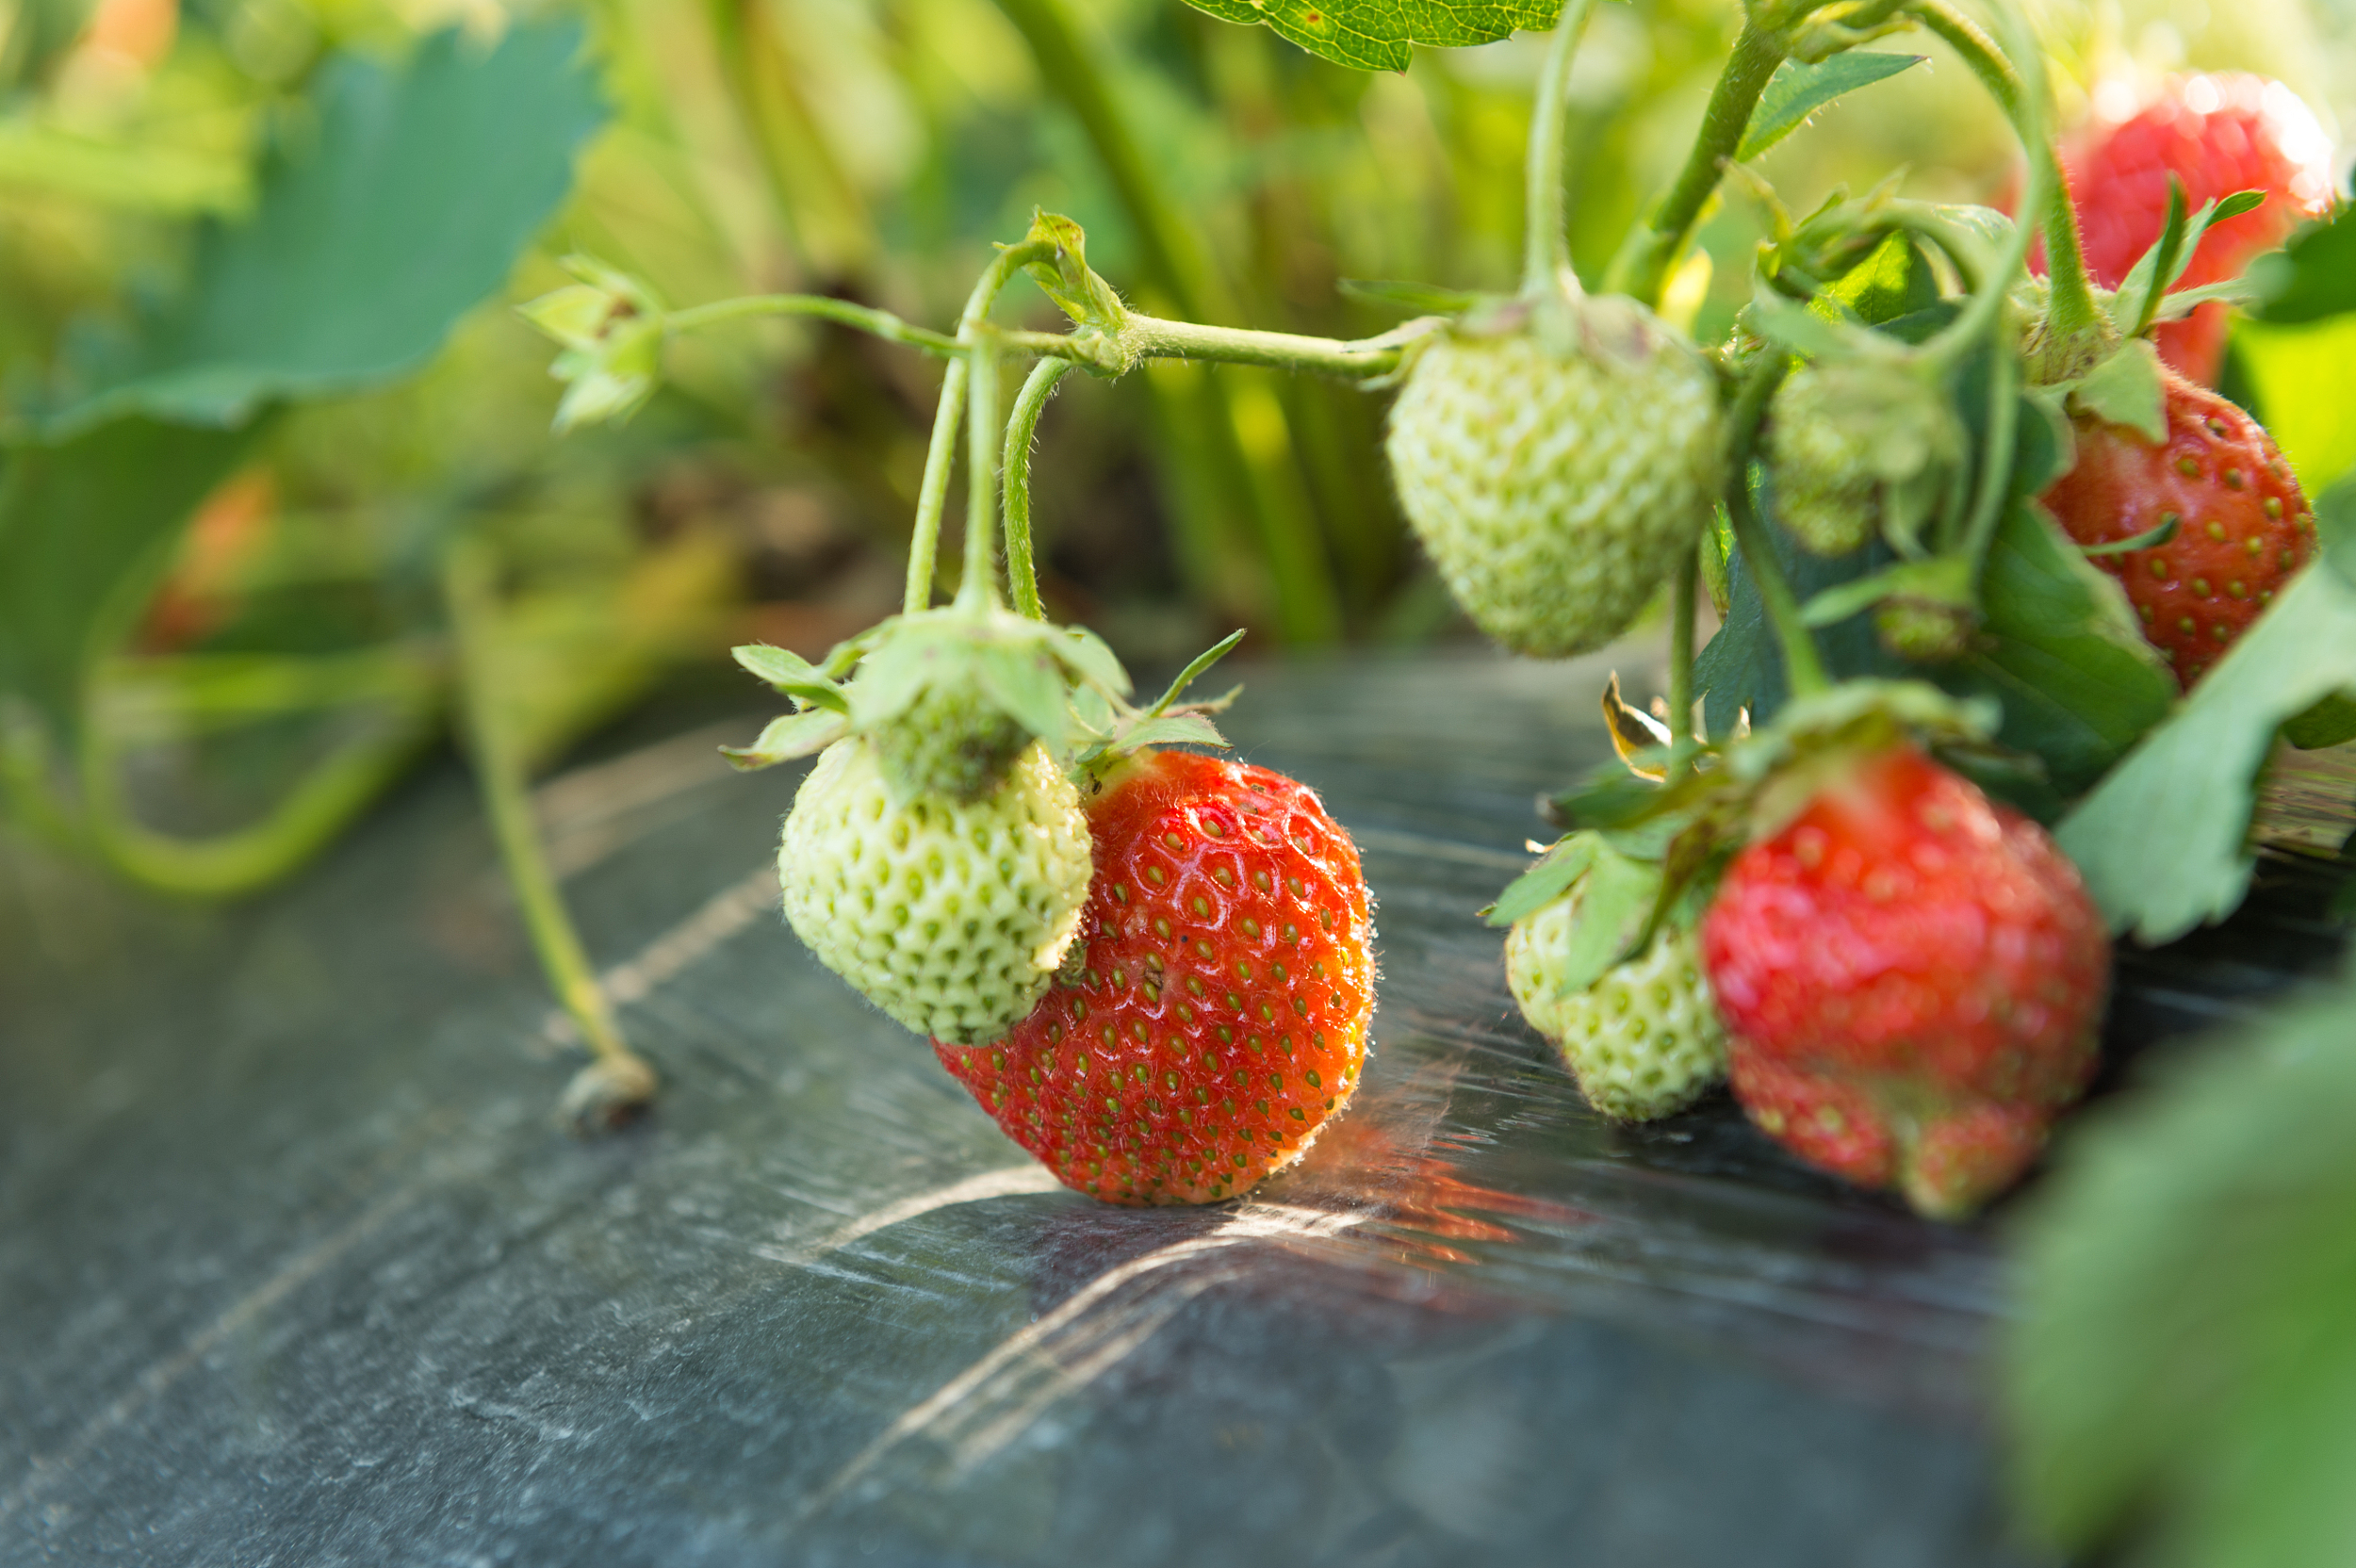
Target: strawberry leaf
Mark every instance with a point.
(2191, 784)
(2061, 652)
(1796, 91)
(2311, 278)
(1381, 35)
(2185, 1346)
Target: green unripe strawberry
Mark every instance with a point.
(1644, 1040)
(1555, 469)
(1858, 448)
(951, 916)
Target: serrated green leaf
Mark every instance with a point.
(422, 187)
(2126, 389)
(1547, 881)
(792, 675)
(2061, 653)
(2312, 277)
(1796, 91)
(784, 739)
(87, 528)
(1892, 282)
(2184, 1345)
(1379, 34)
(2190, 786)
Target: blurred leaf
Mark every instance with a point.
(1379, 34)
(2186, 1344)
(1895, 281)
(85, 528)
(156, 178)
(423, 188)
(1421, 298)
(2190, 786)
(2305, 380)
(2312, 277)
(2329, 722)
(38, 33)
(1796, 91)
(2062, 653)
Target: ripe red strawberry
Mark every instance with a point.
(1214, 1015)
(2243, 527)
(1912, 977)
(2217, 135)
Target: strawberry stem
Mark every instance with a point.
(933, 495)
(881, 323)
(1804, 671)
(1022, 429)
(1546, 229)
(618, 1080)
(978, 589)
(1642, 269)
(2073, 315)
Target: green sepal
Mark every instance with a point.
(2135, 305)
(2126, 389)
(791, 676)
(1797, 90)
(794, 735)
(2150, 539)
(1562, 865)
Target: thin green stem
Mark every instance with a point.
(2004, 429)
(2072, 312)
(1150, 338)
(619, 1080)
(1546, 229)
(1022, 430)
(941, 456)
(1803, 670)
(1642, 267)
(882, 323)
(978, 590)
(1681, 744)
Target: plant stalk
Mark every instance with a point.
(1803, 670)
(932, 497)
(1022, 430)
(2071, 311)
(882, 323)
(1546, 229)
(618, 1081)
(1642, 269)
(978, 590)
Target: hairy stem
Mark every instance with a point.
(498, 766)
(1804, 671)
(1022, 429)
(2004, 430)
(1545, 230)
(978, 590)
(2071, 312)
(1642, 267)
(1150, 338)
(941, 456)
(882, 323)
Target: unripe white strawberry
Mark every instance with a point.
(1857, 447)
(1643, 1040)
(1555, 470)
(950, 915)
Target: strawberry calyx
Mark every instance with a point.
(951, 695)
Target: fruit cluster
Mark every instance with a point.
(2044, 534)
